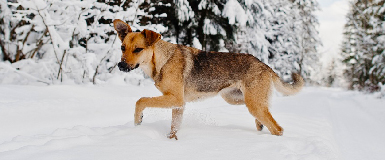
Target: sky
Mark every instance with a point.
(332, 20)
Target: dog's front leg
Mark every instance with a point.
(165, 101)
(140, 106)
(177, 114)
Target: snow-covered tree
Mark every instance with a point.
(307, 37)
(193, 21)
(282, 34)
(378, 22)
(284, 50)
(363, 44)
(270, 33)
(330, 76)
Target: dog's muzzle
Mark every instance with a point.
(123, 66)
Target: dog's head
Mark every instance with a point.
(137, 47)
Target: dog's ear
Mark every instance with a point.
(122, 28)
(151, 36)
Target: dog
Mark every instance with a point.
(185, 74)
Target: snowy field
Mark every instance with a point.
(96, 122)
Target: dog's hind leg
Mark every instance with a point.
(259, 125)
(235, 96)
(260, 111)
(177, 115)
(257, 99)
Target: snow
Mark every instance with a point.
(234, 11)
(196, 43)
(184, 11)
(96, 122)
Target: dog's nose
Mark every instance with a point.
(123, 66)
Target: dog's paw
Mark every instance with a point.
(278, 132)
(138, 119)
(172, 136)
(260, 127)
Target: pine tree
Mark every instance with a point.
(190, 19)
(331, 75)
(362, 46)
(284, 50)
(378, 22)
(307, 37)
(283, 34)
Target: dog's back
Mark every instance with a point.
(214, 71)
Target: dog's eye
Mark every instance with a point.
(123, 48)
(137, 50)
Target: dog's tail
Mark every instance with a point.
(287, 88)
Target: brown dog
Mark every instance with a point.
(185, 74)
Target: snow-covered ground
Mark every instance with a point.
(96, 122)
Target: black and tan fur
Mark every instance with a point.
(184, 74)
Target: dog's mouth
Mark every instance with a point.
(123, 66)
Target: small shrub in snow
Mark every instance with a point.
(63, 40)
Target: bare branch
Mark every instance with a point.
(39, 44)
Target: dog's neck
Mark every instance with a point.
(162, 51)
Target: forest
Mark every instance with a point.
(73, 41)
